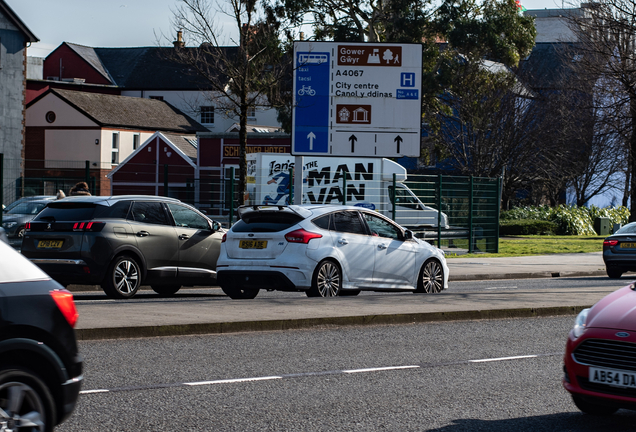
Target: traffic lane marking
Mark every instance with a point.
(320, 373)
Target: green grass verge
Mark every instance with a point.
(536, 245)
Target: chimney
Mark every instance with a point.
(179, 42)
(302, 35)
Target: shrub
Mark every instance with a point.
(568, 219)
(527, 227)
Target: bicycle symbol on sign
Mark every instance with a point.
(306, 90)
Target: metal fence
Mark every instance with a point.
(468, 220)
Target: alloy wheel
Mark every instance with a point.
(432, 277)
(328, 280)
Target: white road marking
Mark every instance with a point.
(350, 371)
(308, 374)
(236, 380)
(502, 359)
(503, 287)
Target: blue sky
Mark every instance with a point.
(114, 23)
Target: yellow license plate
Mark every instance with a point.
(50, 244)
(253, 244)
(628, 245)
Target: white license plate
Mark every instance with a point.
(613, 377)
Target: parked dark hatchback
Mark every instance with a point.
(619, 251)
(40, 367)
(123, 242)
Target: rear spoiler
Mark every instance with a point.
(302, 212)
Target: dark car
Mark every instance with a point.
(124, 242)
(14, 220)
(40, 367)
(27, 199)
(619, 251)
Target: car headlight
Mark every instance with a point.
(8, 225)
(580, 323)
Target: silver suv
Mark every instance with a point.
(123, 242)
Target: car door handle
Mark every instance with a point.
(381, 246)
(184, 237)
(143, 233)
(343, 242)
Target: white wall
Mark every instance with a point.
(125, 143)
(65, 115)
(70, 145)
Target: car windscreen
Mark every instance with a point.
(57, 212)
(266, 222)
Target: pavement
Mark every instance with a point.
(216, 313)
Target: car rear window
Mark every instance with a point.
(266, 222)
(56, 212)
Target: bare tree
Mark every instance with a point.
(249, 73)
(607, 42)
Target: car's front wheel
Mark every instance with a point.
(166, 290)
(240, 293)
(431, 278)
(326, 281)
(123, 278)
(592, 408)
(26, 403)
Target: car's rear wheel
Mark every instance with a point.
(26, 403)
(123, 278)
(166, 290)
(614, 273)
(431, 279)
(326, 281)
(240, 293)
(592, 408)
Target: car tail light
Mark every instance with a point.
(88, 226)
(27, 226)
(64, 301)
(301, 236)
(610, 242)
(224, 238)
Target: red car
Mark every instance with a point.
(600, 356)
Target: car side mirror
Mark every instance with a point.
(215, 226)
(408, 235)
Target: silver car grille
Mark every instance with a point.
(606, 353)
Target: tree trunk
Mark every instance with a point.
(632, 159)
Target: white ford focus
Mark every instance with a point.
(325, 250)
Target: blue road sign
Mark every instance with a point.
(311, 115)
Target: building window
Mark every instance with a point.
(207, 114)
(156, 97)
(135, 142)
(251, 112)
(50, 117)
(115, 149)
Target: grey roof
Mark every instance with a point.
(151, 68)
(185, 143)
(16, 21)
(547, 65)
(128, 112)
(89, 54)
